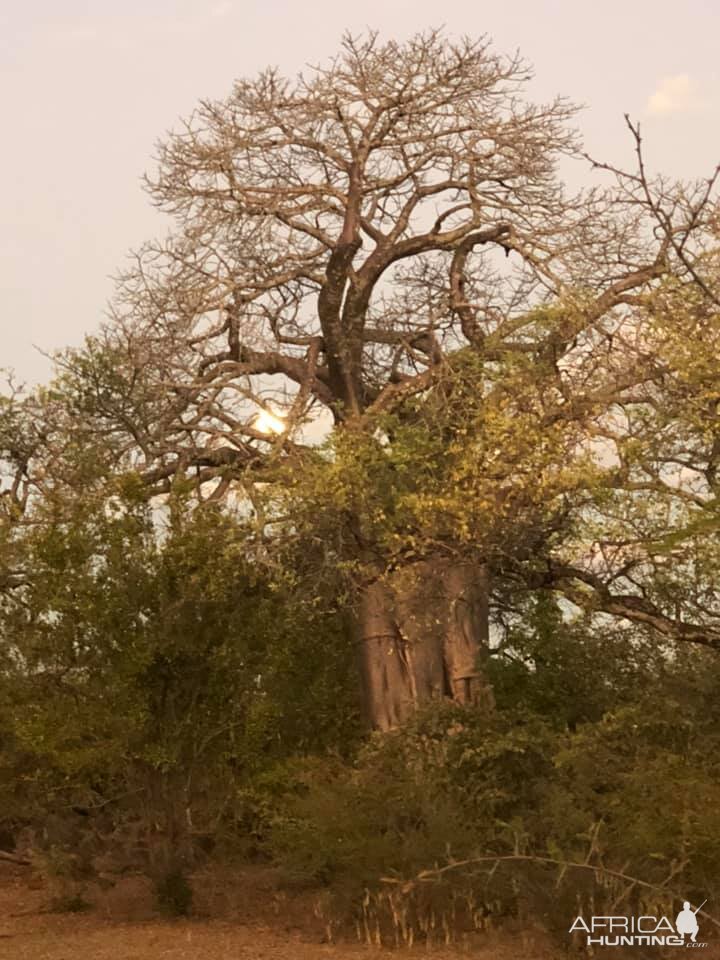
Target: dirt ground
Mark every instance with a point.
(255, 923)
(243, 915)
(93, 938)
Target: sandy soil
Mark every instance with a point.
(242, 918)
(242, 915)
(65, 938)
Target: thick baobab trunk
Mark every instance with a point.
(423, 635)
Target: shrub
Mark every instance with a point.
(174, 893)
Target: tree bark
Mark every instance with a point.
(423, 635)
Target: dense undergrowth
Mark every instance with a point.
(232, 734)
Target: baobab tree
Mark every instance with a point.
(338, 242)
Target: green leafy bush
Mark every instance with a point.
(473, 818)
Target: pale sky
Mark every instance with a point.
(89, 86)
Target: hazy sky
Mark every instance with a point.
(88, 87)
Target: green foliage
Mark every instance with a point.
(149, 668)
(570, 670)
(605, 760)
(434, 789)
(479, 465)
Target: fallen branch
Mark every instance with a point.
(11, 858)
(426, 876)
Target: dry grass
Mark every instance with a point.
(243, 917)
